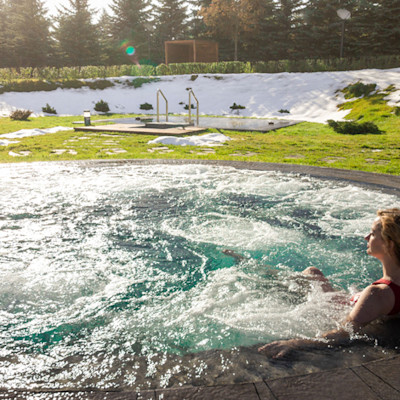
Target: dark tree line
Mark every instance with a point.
(135, 30)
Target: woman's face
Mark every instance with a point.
(376, 246)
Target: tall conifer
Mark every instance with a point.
(25, 32)
(77, 35)
(130, 23)
(170, 23)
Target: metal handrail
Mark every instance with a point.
(159, 91)
(190, 107)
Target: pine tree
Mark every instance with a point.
(25, 33)
(322, 30)
(170, 23)
(284, 28)
(171, 19)
(4, 47)
(385, 27)
(196, 28)
(130, 24)
(77, 35)
(109, 52)
(258, 43)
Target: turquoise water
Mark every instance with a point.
(108, 263)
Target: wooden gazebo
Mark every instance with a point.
(186, 51)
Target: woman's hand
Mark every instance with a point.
(282, 348)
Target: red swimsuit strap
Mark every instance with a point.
(396, 291)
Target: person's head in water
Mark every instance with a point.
(389, 224)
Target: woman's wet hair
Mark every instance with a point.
(390, 231)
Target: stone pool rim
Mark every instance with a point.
(389, 184)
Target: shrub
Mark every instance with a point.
(100, 84)
(48, 109)
(28, 86)
(397, 111)
(20, 115)
(162, 69)
(146, 106)
(237, 107)
(352, 128)
(138, 82)
(194, 77)
(358, 89)
(187, 107)
(72, 84)
(284, 111)
(102, 106)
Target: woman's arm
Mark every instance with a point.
(374, 302)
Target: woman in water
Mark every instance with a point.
(379, 299)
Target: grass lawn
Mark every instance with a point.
(305, 143)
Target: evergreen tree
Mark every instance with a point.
(384, 27)
(109, 52)
(284, 28)
(170, 23)
(130, 24)
(322, 30)
(258, 43)
(196, 28)
(77, 35)
(25, 33)
(4, 45)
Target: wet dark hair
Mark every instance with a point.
(390, 230)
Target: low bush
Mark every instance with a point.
(146, 106)
(186, 107)
(28, 86)
(284, 111)
(353, 128)
(72, 84)
(100, 84)
(20, 115)
(102, 106)
(8, 75)
(162, 69)
(237, 107)
(358, 89)
(138, 82)
(48, 109)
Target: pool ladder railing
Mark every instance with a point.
(191, 93)
(159, 91)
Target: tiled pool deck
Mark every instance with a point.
(378, 379)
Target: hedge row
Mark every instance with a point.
(88, 72)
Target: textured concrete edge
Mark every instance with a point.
(384, 182)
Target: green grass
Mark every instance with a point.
(306, 143)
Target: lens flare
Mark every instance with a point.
(130, 50)
(127, 47)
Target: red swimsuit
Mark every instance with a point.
(396, 292)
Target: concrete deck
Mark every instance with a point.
(376, 380)
(142, 130)
(134, 125)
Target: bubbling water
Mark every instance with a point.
(108, 273)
